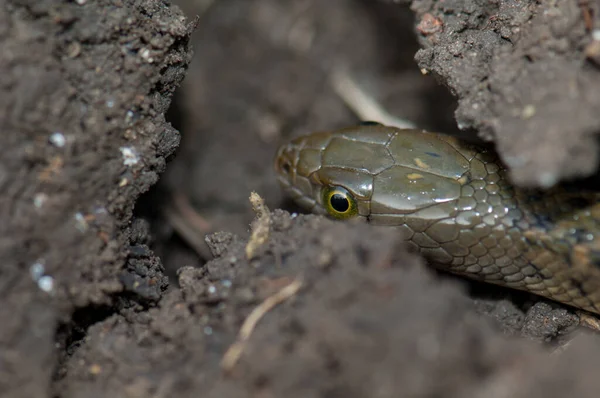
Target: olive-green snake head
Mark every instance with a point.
(455, 204)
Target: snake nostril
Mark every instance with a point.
(286, 167)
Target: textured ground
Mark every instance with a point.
(88, 309)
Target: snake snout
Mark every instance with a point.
(284, 164)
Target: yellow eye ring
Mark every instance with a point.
(338, 202)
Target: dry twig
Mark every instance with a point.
(235, 350)
(261, 226)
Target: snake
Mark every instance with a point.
(455, 204)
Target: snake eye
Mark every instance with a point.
(339, 203)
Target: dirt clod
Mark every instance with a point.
(73, 83)
(315, 308)
(503, 60)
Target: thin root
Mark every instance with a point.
(235, 351)
(190, 225)
(361, 103)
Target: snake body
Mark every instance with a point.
(455, 204)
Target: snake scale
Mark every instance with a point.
(455, 204)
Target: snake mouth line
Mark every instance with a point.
(300, 197)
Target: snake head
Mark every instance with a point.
(319, 171)
(378, 173)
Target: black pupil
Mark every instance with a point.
(339, 203)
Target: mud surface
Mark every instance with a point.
(84, 91)
(367, 320)
(341, 309)
(517, 67)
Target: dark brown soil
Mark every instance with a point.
(519, 67)
(84, 89)
(88, 308)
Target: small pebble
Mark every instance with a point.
(81, 223)
(36, 270)
(46, 283)
(58, 139)
(39, 199)
(129, 115)
(130, 156)
(145, 54)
